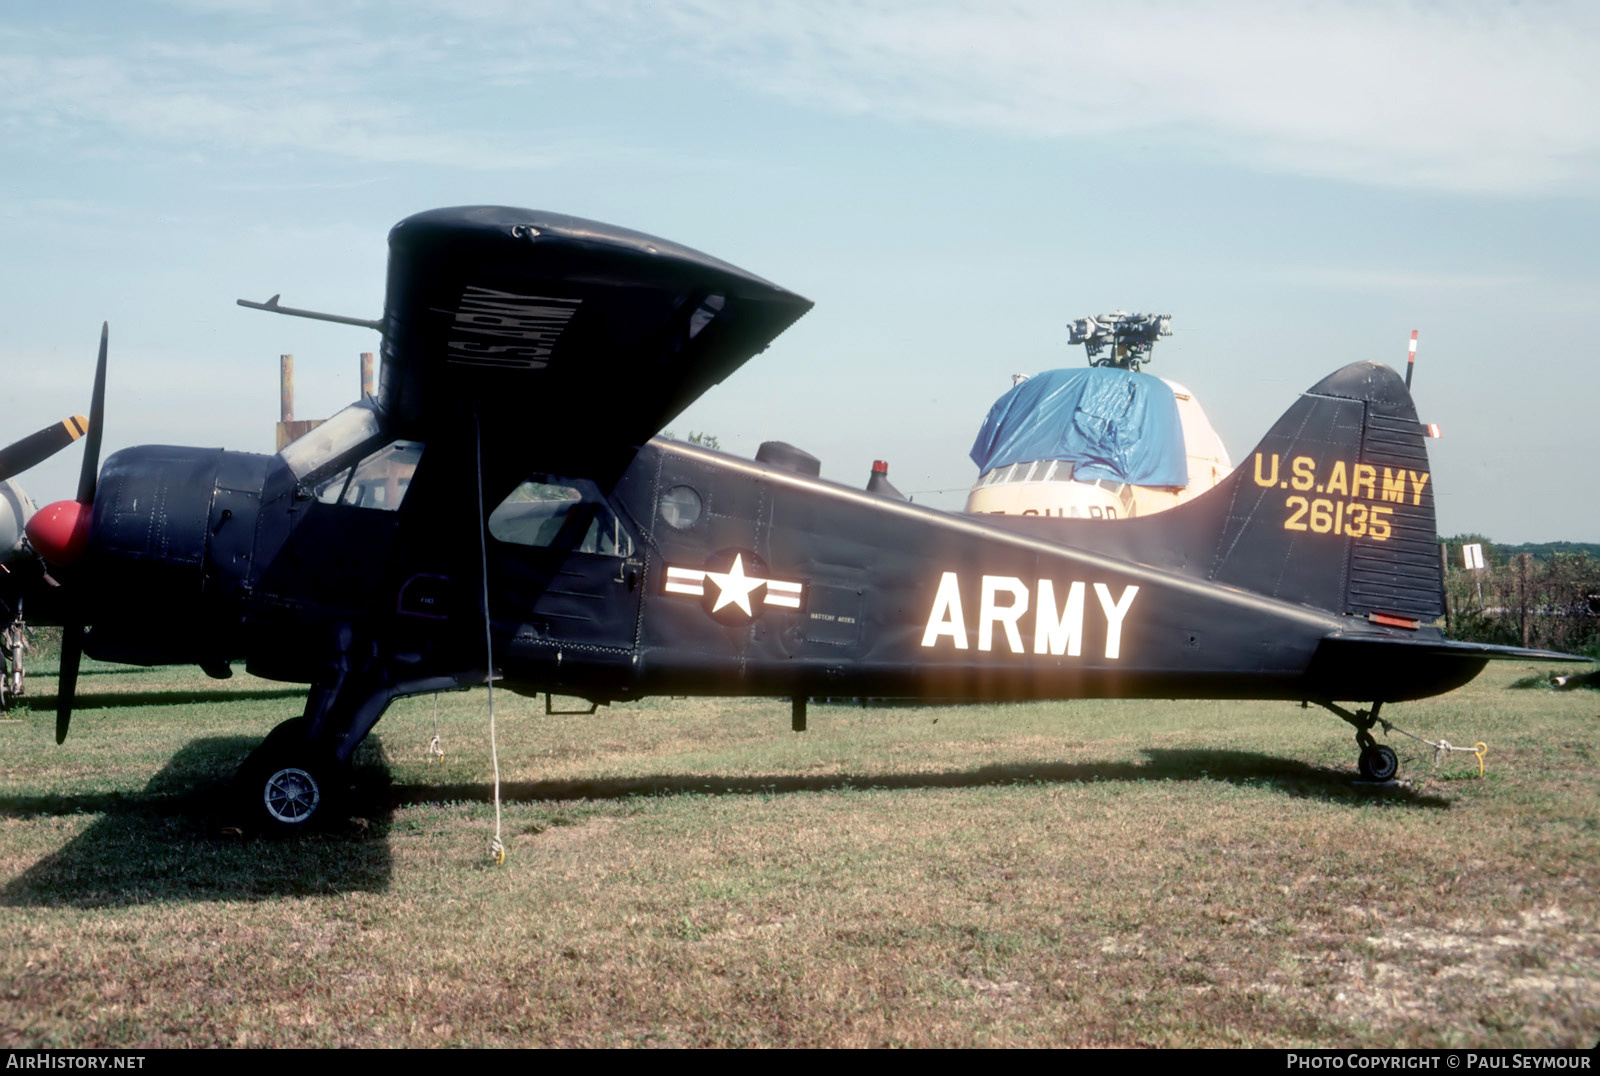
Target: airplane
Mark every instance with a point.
(501, 512)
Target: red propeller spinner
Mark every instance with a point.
(59, 532)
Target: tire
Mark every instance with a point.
(1378, 763)
(289, 784)
(291, 796)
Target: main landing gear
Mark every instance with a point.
(291, 782)
(300, 775)
(1377, 762)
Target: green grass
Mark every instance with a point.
(690, 872)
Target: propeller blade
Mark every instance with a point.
(35, 448)
(97, 416)
(72, 632)
(67, 686)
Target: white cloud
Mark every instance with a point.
(1467, 97)
(299, 91)
(1457, 97)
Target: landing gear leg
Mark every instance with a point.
(13, 640)
(1377, 762)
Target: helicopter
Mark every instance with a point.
(502, 512)
(1103, 442)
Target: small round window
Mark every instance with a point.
(680, 507)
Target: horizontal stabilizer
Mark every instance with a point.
(1400, 667)
(1453, 649)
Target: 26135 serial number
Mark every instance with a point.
(1349, 518)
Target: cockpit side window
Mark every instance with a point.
(557, 513)
(379, 481)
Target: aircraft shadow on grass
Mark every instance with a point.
(177, 840)
(170, 697)
(1286, 776)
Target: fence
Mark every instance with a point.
(1550, 604)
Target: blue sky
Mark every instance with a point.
(1299, 185)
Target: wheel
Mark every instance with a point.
(291, 796)
(1378, 763)
(288, 784)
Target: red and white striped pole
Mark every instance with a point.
(1411, 359)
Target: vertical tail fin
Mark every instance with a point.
(1334, 508)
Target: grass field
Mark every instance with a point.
(690, 872)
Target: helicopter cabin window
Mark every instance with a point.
(1035, 471)
(558, 515)
(379, 481)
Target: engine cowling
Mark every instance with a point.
(169, 551)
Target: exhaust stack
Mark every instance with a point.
(878, 482)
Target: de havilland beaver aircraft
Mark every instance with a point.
(502, 510)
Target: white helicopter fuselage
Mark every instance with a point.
(1048, 487)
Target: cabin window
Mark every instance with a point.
(379, 481)
(681, 507)
(553, 514)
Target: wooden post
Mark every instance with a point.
(288, 428)
(286, 388)
(1444, 589)
(1523, 587)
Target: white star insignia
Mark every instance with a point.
(734, 587)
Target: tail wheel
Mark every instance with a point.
(1378, 763)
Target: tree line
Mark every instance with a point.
(1544, 595)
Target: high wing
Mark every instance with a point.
(566, 341)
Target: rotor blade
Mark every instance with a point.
(97, 416)
(35, 448)
(67, 685)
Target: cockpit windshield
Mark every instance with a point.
(344, 431)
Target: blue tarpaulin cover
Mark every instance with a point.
(1111, 423)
